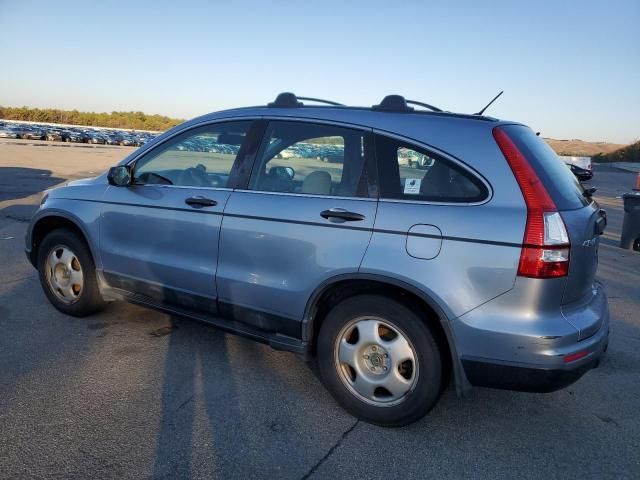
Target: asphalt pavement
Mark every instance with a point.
(133, 393)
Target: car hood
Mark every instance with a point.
(86, 181)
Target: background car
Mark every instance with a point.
(113, 139)
(581, 174)
(8, 132)
(54, 136)
(96, 138)
(34, 134)
(93, 135)
(74, 136)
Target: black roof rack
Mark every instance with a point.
(390, 103)
(320, 100)
(393, 103)
(290, 100)
(285, 100)
(397, 103)
(425, 105)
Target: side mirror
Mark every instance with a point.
(285, 173)
(120, 176)
(290, 172)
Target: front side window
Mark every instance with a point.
(311, 159)
(409, 172)
(202, 157)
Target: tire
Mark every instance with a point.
(78, 299)
(426, 372)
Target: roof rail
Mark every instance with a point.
(320, 100)
(289, 100)
(425, 105)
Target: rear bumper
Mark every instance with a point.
(502, 345)
(535, 378)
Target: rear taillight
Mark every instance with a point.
(545, 249)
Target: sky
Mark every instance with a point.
(570, 69)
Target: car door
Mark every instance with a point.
(306, 215)
(159, 236)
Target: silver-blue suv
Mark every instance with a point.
(401, 247)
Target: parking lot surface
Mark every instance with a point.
(133, 393)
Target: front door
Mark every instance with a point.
(159, 236)
(306, 215)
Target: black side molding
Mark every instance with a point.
(523, 379)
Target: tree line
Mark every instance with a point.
(630, 153)
(127, 120)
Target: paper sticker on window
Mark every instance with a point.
(412, 186)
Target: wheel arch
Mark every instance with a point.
(340, 287)
(54, 220)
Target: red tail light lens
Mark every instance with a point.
(575, 356)
(545, 251)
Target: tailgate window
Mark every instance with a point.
(562, 185)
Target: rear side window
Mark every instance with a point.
(562, 185)
(409, 172)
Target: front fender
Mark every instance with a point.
(83, 215)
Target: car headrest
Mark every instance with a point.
(230, 139)
(317, 182)
(436, 180)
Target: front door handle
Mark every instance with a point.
(199, 202)
(340, 214)
(601, 222)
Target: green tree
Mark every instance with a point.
(128, 120)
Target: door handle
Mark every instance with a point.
(601, 223)
(199, 202)
(337, 214)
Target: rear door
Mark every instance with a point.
(306, 215)
(159, 236)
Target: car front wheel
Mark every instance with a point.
(380, 360)
(67, 274)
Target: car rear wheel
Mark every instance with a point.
(379, 360)
(67, 274)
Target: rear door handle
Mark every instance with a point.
(199, 202)
(339, 214)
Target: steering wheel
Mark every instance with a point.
(216, 181)
(195, 177)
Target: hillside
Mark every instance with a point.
(580, 148)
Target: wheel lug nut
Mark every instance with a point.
(365, 356)
(384, 368)
(373, 348)
(386, 355)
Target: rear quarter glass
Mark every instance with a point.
(560, 182)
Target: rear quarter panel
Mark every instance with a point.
(480, 250)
